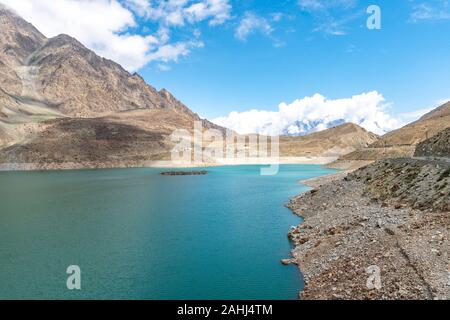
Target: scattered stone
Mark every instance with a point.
(404, 247)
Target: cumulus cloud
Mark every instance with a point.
(109, 26)
(250, 24)
(315, 113)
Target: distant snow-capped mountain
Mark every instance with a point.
(313, 114)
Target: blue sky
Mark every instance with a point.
(408, 62)
(223, 56)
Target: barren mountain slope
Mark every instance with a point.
(416, 132)
(50, 85)
(402, 142)
(336, 141)
(86, 85)
(60, 102)
(437, 146)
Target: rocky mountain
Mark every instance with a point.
(402, 142)
(420, 130)
(61, 103)
(70, 78)
(332, 142)
(67, 68)
(18, 39)
(63, 106)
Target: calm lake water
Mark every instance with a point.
(138, 235)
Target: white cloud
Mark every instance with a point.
(432, 11)
(315, 113)
(332, 16)
(171, 52)
(311, 5)
(250, 24)
(318, 5)
(163, 67)
(179, 12)
(441, 102)
(108, 26)
(220, 10)
(408, 117)
(277, 16)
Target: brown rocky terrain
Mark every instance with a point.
(69, 77)
(392, 216)
(332, 142)
(424, 128)
(437, 146)
(401, 142)
(63, 106)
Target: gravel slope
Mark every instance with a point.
(359, 222)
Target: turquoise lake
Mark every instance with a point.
(138, 235)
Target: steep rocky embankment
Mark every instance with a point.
(437, 146)
(393, 217)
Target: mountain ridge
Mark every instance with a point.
(332, 142)
(402, 142)
(63, 106)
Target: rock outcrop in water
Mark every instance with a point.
(184, 173)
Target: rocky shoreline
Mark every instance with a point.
(387, 222)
